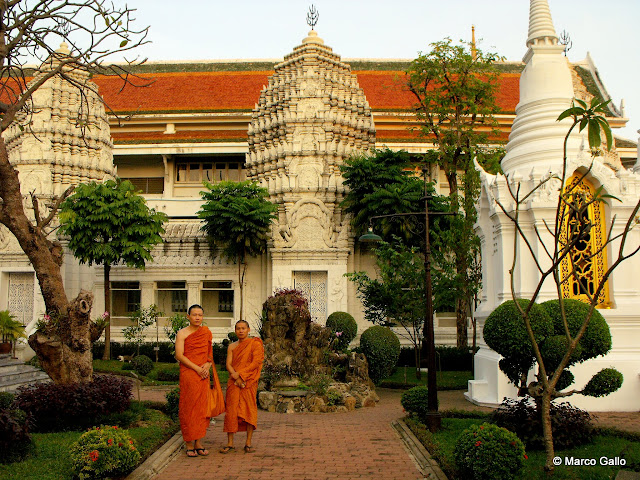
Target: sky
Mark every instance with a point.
(269, 29)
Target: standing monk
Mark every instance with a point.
(244, 363)
(195, 354)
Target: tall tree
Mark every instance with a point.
(570, 331)
(93, 29)
(454, 87)
(109, 223)
(237, 218)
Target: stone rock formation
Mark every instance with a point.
(301, 372)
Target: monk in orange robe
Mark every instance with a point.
(244, 363)
(195, 354)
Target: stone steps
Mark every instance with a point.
(15, 373)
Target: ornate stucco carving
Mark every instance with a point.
(310, 117)
(64, 138)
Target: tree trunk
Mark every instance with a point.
(416, 354)
(462, 338)
(107, 307)
(547, 433)
(64, 345)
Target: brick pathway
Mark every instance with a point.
(353, 445)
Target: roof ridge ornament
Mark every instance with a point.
(312, 16)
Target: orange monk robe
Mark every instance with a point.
(194, 412)
(242, 407)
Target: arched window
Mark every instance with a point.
(582, 269)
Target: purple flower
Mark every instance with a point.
(105, 315)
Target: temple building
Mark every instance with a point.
(289, 124)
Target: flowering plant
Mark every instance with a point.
(489, 452)
(102, 452)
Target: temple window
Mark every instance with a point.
(125, 298)
(217, 297)
(211, 170)
(582, 270)
(147, 185)
(171, 297)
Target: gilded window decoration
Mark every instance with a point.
(583, 268)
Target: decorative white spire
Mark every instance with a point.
(540, 24)
(546, 90)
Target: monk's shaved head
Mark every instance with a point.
(243, 321)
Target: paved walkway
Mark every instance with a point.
(353, 445)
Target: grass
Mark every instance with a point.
(447, 380)
(608, 444)
(49, 459)
(151, 379)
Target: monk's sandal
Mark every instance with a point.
(249, 449)
(226, 449)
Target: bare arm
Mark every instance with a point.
(202, 370)
(232, 372)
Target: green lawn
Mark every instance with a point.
(447, 380)
(116, 367)
(49, 459)
(441, 446)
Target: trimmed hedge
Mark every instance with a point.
(489, 452)
(165, 354)
(74, 406)
(142, 365)
(382, 349)
(344, 324)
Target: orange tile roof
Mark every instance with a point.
(239, 91)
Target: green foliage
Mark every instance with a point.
(141, 319)
(571, 426)
(10, 328)
(554, 349)
(170, 373)
(319, 383)
(596, 340)
(415, 401)
(6, 400)
(589, 117)
(102, 452)
(173, 402)
(380, 183)
(344, 324)
(142, 364)
(15, 439)
(382, 349)
(175, 323)
(505, 332)
(110, 223)
(237, 217)
(488, 452)
(232, 336)
(606, 381)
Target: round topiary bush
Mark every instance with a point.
(606, 381)
(344, 326)
(382, 349)
(102, 452)
(505, 332)
(173, 402)
(142, 364)
(488, 452)
(416, 400)
(597, 337)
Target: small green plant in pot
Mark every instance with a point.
(11, 331)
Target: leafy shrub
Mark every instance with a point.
(73, 406)
(505, 332)
(6, 400)
(487, 452)
(173, 402)
(165, 354)
(382, 349)
(319, 383)
(220, 353)
(142, 364)
(603, 383)
(597, 337)
(232, 336)
(571, 426)
(344, 326)
(415, 401)
(15, 440)
(127, 366)
(103, 452)
(333, 397)
(170, 373)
